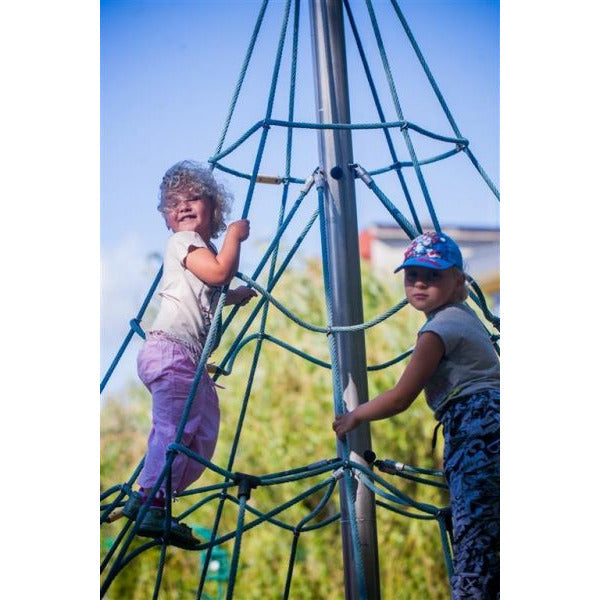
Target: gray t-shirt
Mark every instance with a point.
(187, 304)
(470, 363)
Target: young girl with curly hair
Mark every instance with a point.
(194, 207)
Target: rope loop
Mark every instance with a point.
(136, 327)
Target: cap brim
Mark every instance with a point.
(429, 263)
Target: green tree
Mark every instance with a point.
(287, 425)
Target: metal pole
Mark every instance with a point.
(341, 231)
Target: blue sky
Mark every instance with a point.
(168, 71)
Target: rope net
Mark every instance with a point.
(248, 495)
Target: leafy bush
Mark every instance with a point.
(288, 424)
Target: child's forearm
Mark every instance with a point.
(217, 269)
(385, 405)
(427, 354)
(229, 258)
(221, 268)
(389, 403)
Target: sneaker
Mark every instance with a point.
(180, 534)
(132, 506)
(153, 523)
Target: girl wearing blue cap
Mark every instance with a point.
(456, 365)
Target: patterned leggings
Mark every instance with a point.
(472, 468)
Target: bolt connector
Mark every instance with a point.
(246, 483)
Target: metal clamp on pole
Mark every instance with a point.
(310, 181)
(319, 179)
(362, 173)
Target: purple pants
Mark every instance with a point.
(167, 369)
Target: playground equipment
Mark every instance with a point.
(336, 173)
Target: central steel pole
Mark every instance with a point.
(341, 232)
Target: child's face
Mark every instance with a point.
(185, 212)
(429, 289)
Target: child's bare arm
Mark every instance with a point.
(425, 358)
(221, 268)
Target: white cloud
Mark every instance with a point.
(127, 272)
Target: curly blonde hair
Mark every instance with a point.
(190, 178)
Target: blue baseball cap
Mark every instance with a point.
(433, 250)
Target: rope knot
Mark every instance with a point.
(135, 326)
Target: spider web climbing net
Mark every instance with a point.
(318, 478)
